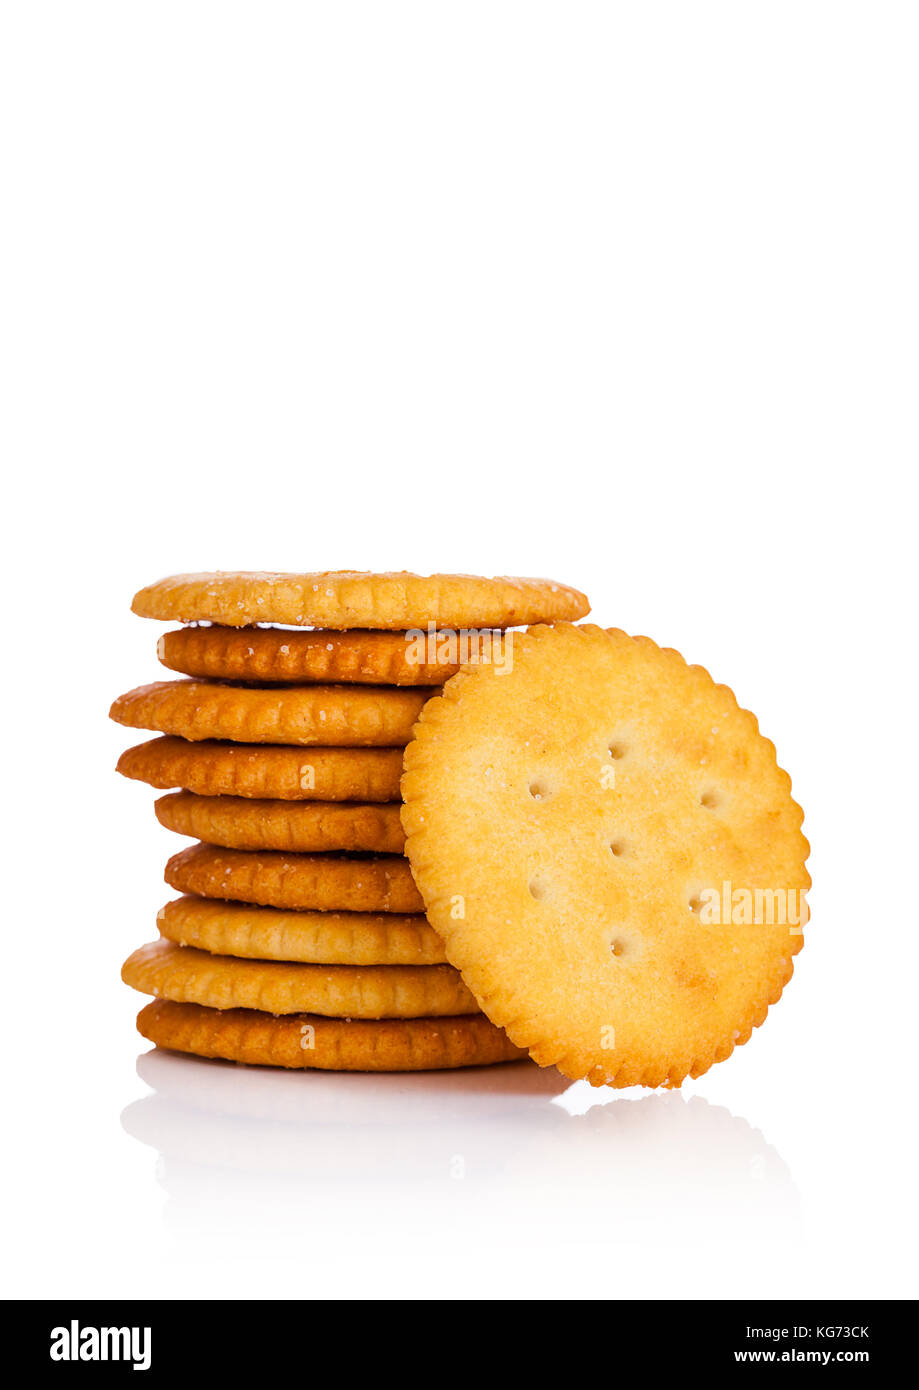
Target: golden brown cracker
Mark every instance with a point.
(329, 1044)
(211, 768)
(343, 599)
(277, 654)
(336, 715)
(316, 882)
(320, 938)
(238, 822)
(188, 976)
(570, 826)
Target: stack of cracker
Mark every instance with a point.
(300, 938)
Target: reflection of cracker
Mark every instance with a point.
(239, 822)
(188, 976)
(564, 824)
(211, 768)
(243, 1035)
(272, 654)
(344, 715)
(347, 599)
(322, 938)
(318, 882)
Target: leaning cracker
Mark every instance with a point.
(320, 938)
(211, 768)
(342, 715)
(273, 654)
(569, 827)
(350, 599)
(317, 882)
(238, 822)
(188, 976)
(329, 1044)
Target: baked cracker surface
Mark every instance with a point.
(317, 882)
(330, 1044)
(214, 768)
(343, 599)
(189, 976)
(278, 654)
(324, 938)
(577, 826)
(246, 823)
(337, 715)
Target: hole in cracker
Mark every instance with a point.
(617, 848)
(539, 790)
(538, 889)
(617, 750)
(695, 904)
(617, 947)
(710, 800)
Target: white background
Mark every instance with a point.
(622, 294)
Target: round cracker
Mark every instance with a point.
(316, 882)
(238, 822)
(272, 654)
(319, 938)
(329, 1044)
(211, 768)
(189, 976)
(567, 825)
(343, 599)
(339, 715)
